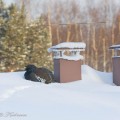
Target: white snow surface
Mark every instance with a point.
(115, 46)
(116, 57)
(95, 97)
(75, 57)
(70, 45)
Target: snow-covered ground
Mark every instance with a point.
(94, 97)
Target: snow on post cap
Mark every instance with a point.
(115, 46)
(69, 45)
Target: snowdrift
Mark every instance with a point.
(94, 97)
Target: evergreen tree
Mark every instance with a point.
(24, 43)
(38, 42)
(13, 43)
(4, 16)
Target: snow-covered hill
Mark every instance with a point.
(94, 97)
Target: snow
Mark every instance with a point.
(95, 97)
(73, 48)
(70, 45)
(116, 57)
(75, 57)
(114, 46)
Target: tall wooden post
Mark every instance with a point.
(67, 68)
(116, 65)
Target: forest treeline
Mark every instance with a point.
(98, 27)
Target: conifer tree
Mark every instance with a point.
(38, 41)
(24, 43)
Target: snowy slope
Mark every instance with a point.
(93, 98)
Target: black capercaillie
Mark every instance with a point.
(38, 74)
(30, 73)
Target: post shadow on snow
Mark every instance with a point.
(38, 74)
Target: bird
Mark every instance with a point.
(41, 74)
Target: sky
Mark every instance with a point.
(8, 1)
(112, 6)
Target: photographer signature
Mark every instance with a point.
(12, 114)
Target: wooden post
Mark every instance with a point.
(116, 65)
(67, 68)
